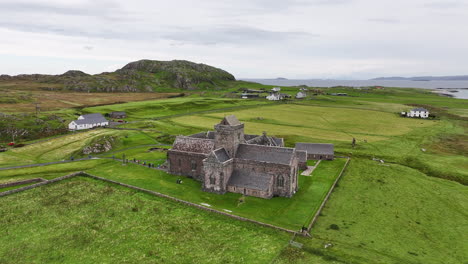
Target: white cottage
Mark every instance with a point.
(418, 112)
(301, 95)
(88, 121)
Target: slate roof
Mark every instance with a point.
(230, 120)
(301, 155)
(196, 145)
(316, 148)
(221, 155)
(246, 178)
(266, 141)
(118, 113)
(277, 155)
(420, 109)
(91, 119)
(206, 135)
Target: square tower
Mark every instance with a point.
(229, 134)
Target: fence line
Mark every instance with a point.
(84, 174)
(327, 197)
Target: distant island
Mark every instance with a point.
(424, 78)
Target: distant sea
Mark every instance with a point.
(448, 87)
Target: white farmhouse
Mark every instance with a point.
(418, 112)
(276, 89)
(88, 121)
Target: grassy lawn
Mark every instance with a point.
(48, 172)
(93, 222)
(175, 106)
(290, 213)
(389, 214)
(324, 123)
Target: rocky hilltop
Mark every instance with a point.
(138, 76)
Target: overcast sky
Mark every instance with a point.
(347, 39)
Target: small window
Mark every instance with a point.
(280, 181)
(194, 165)
(180, 162)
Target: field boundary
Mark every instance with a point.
(314, 219)
(84, 174)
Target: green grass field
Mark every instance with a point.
(389, 214)
(409, 209)
(87, 221)
(175, 106)
(65, 147)
(291, 213)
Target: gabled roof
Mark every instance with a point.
(246, 178)
(219, 155)
(196, 145)
(91, 119)
(316, 148)
(277, 155)
(230, 120)
(420, 109)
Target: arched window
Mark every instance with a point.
(280, 181)
(212, 179)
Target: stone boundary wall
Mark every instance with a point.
(84, 174)
(328, 196)
(16, 183)
(40, 184)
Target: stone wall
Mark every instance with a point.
(16, 183)
(251, 192)
(220, 172)
(186, 164)
(84, 174)
(319, 157)
(290, 184)
(229, 137)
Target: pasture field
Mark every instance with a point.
(174, 106)
(94, 222)
(50, 171)
(409, 209)
(389, 214)
(295, 212)
(20, 96)
(325, 123)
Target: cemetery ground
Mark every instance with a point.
(409, 209)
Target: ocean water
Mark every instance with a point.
(460, 86)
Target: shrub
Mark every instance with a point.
(334, 227)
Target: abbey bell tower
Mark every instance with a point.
(229, 134)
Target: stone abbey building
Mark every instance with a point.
(227, 160)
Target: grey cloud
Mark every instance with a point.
(445, 4)
(384, 20)
(99, 8)
(233, 35)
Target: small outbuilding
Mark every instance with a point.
(118, 115)
(317, 151)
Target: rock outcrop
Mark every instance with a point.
(103, 144)
(138, 76)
